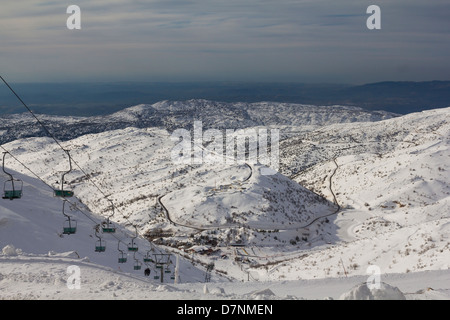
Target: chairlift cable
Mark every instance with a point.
(44, 182)
(50, 134)
(32, 113)
(59, 144)
(68, 201)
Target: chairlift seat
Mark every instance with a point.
(137, 267)
(12, 189)
(64, 193)
(100, 248)
(109, 230)
(12, 194)
(122, 260)
(133, 249)
(69, 230)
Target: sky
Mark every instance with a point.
(310, 41)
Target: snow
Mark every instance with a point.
(29, 276)
(364, 291)
(9, 251)
(269, 236)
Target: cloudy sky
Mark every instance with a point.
(225, 40)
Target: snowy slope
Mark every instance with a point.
(34, 225)
(47, 277)
(318, 145)
(266, 202)
(395, 203)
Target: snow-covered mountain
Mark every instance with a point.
(134, 170)
(355, 189)
(172, 115)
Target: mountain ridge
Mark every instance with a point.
(173, 115)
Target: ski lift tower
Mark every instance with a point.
(161, 260)
(209, 268)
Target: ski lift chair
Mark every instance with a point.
(99, 245)
(12, 189)
(147, 257)
(108, 227)
(70, 226)
(133, 247)
(61, 192)
(137, 264)
(122, 255)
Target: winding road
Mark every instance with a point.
(254, 255)
(196, 227)
(202, 228)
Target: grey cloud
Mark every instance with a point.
(283, 39)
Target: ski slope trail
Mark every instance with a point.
(34, 226)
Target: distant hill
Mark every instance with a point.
(91, 99)
(173, 115)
